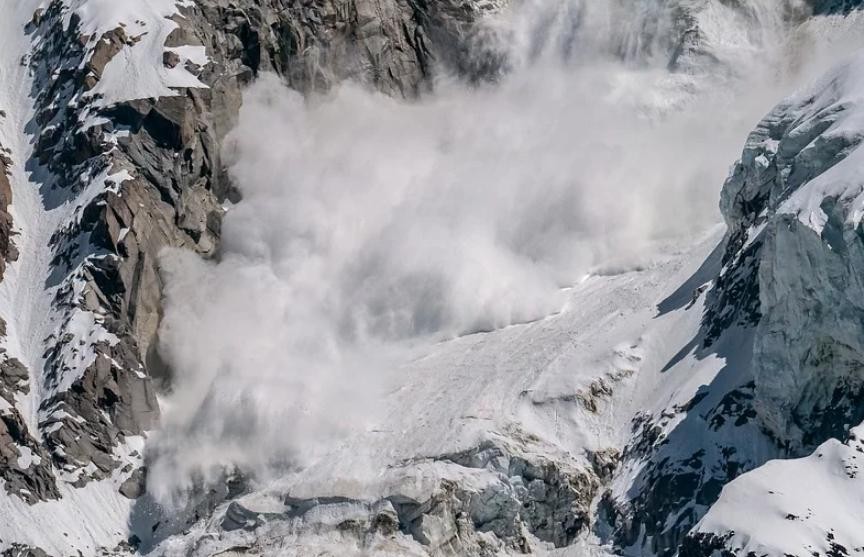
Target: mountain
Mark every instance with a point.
(223, 335)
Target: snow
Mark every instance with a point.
(21, 288)
(812, 505)
(796, 507)
(188, 53)
(81, 329)
(27, 458)
(515, 386)
(24, 302)
(519, 387)
(837, 99)
(136, 72)
(529, 384)
(57, 525)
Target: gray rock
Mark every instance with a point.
(19, 550)
(34, 483)
(239, 517)
(7, 247)
(135, 485)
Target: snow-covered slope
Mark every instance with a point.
(806, 506)
(515, 429)
(648, 443)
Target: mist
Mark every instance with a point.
(371, 225)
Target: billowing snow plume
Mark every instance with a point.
(369, 224)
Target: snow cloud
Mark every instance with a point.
(369, 224)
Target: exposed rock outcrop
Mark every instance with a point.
(7, 246)
(139, 175)
(835, 6)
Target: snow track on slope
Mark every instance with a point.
(94, 516)
(24, 302)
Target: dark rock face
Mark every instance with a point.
(25, 464)
(112, 399)
(134, 486)
(106, 263)
(18, 550)
(808, 351)
(835, 6)
(705, 545)
(7, 247)
(680, 461)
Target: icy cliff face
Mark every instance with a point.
(607, 421)
(796, 198)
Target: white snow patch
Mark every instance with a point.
(88, 518)
(787, 507)
(137, 71)
(27, 457)
(840, 94)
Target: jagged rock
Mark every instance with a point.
(809, 348)
(106, 48)
(135, 485)
(385, 518)
(170, 194)
(604, 462)
(19, 550)
(237, 516)
(788, 292)
(24, 465)
(705, 545)
(7, 247)
(834, 6)
(170, 59)
(471, 511)
(13, 375)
